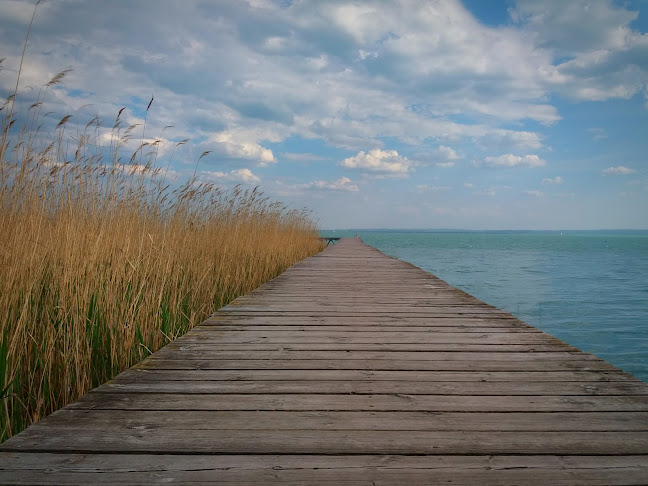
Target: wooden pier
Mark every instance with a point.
(350, 368)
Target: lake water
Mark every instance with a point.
(589, 289)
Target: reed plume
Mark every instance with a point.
(103, 262)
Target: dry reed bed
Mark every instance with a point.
(102, 263)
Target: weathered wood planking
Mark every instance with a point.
(350, 368)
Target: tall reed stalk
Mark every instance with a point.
(102, 263)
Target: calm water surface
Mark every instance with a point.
(589, 289)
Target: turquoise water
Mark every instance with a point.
(589, 289)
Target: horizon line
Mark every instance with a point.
(492, 230)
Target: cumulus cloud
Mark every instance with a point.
(239, 176)
(618, 170)
(296, 66)
(447, 153)
(510, 160)
(342, 184)
(574, 27)
(602, 56)
(447, 157)
(386, 162)
(512, 139)
(553, 180)
(227, 144)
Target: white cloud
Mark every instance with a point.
(510, 160)
(244, 176)
(513, 139)
(17, 11)
(553, 180)
(317, 189)
(262, 4)
(533, 193)
(145, 147)
(602, 79)
(604, 56)
(447, 157)
(468, 185)
(447, 153)
(302, 157)
(573, 27)
(227, 144)
(275, 43)
(619, 170)
(379, 161)
(342, 184)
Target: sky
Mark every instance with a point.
(473, 114)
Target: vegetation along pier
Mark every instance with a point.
(350, 368)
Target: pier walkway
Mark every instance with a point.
(350, 368)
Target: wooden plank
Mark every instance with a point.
(198, 351)
(570, 388)
(386, 365)
(320, 469)
(366, 310)
(387, 347)
(425, 320)
(128, 420)
(350, 402)
(149, 374)
(351, 323)
(372, 312)
(411, 442)
(372, 337)
(345, 328)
